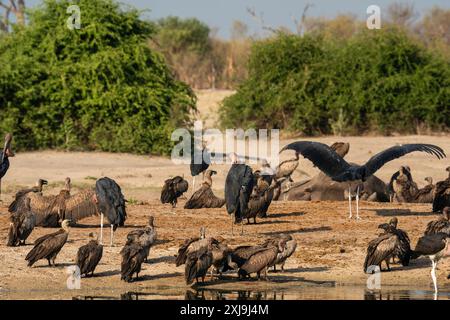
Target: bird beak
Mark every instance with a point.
(7, 147)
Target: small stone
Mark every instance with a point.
(342, 250)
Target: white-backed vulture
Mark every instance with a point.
(22, 224)
(48, 246)
(144, 237)
(205, 197)
(173, 189)
(89, 255)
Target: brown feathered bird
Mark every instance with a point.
(22, 224)
(173, 189)
(261, 260)
(205, 197)
(260, 199)
(197, 264)
(392, 243)
(426, 194)
(105, 200)
(442, 225)
(221, 254)
(441, 197)
(133, 255)
(89, 255)
(403, 186)
(45, 208)
(289, 249)
(193, 245)
(21, 195)
(48, 246)
(144, 237)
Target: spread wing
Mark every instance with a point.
(80, 205)
(380, 159)
(323, 157)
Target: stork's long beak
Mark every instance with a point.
(7, 147)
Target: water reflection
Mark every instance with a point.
(309, 293)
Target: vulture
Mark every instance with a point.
(401, 185)
(425, 195)
(442, 194)
(48, 246)
(238, 188)
(261, 260)
(107, 199)
(133, 255)
(392, 243)
(286, 168)
(173, 189)
(435, 246)
(291, 245)
(22, 224)
(221, 254)
(204, 197)
(4, 157)
(89, 255)
(45, 208)
(260, 200)
(197, 264)
(144, 237)
(240, 255)
(192, 245)
(442, 225)
(333, 165)
(21, 195)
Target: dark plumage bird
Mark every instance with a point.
(205, 197)
(107, 200)
(392, 243)
(240, 255)
(21, 195)
(193, 245)
(133, 255)
(48, 246)
(238, 188)
(333, 165)
(146, 237)
(5, 154)
(289, 249)
(22, 224)
(221, 254)
(261, 260)
(260, 199)
(442, 225)
(425, 194)
(436, 247)
(197, 264)
(89, 255)
(442, 194)
(173, 189)
(200, 161)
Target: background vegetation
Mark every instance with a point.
(100, 87)
(121, 83)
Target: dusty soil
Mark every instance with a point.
(331, 248)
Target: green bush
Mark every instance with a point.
(376, 81)
(100, 87)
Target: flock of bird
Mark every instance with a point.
(248, 195)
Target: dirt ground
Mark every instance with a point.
(331, 248)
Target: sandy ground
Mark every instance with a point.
(331, 248)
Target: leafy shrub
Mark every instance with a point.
(376, 81)
(100, 87)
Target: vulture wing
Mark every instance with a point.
(431, 244)
(380, 159)
(323, 157)
(80, 206)
(380, 249)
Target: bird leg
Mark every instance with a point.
(350, 202)
(232, 223)
(101, 228)
(433, 276)
(242, 227)
(111, 238)
(1, 190)
(193, 184)
(357, 204)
